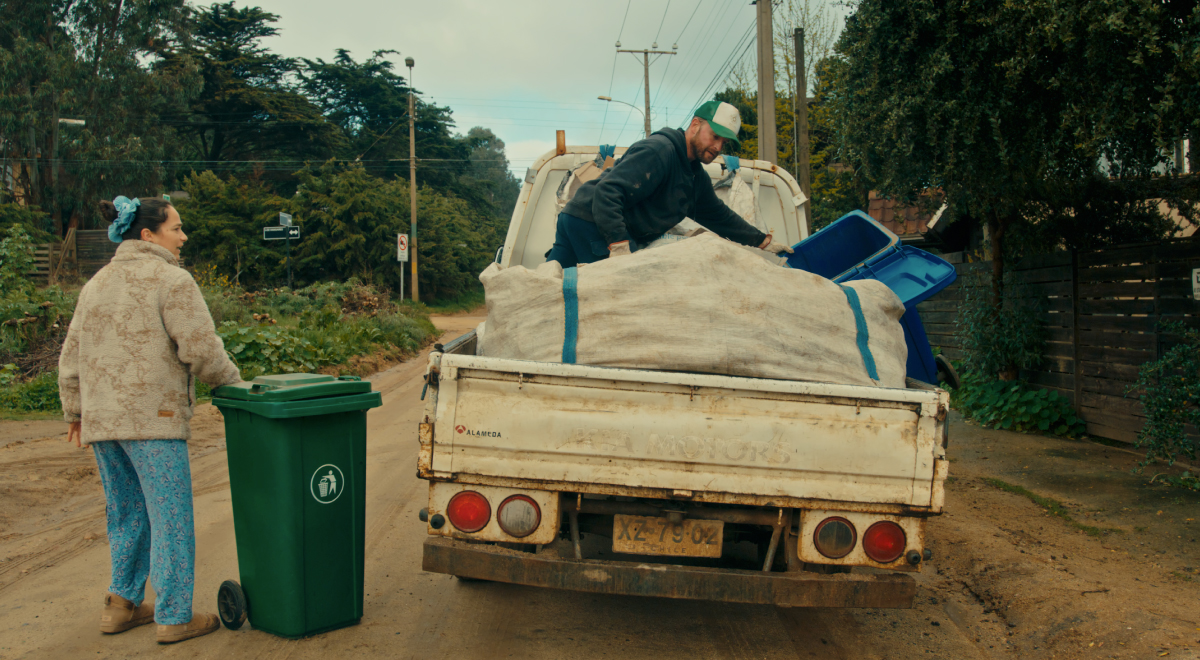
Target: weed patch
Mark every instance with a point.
(1052, 506)
(1015, 406)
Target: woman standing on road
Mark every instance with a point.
(140, 335)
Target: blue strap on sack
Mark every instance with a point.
(606, 151)
(732, 163)
(571, 314)
(864, 335)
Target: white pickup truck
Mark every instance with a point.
(681, 485)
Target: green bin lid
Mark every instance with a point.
(293, 387)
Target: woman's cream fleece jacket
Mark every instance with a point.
(140, 334)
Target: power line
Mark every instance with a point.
(708, 28)
(658, 92)
(612, 76)
(749, 32)
(664, 20)
(724, 71)
(636, 92)
(622, 31)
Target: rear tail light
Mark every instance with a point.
(835, 537)
(519, 516)
(469, 511)
(884, 542)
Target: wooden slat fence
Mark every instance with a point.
(94, 251)
(1101, 312)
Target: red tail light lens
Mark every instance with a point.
(884, 542)
(835, 537)
(469, 511)
(519, 516)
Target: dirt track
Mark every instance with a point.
(1006, 581)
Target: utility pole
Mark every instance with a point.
(412, 180)
(801, 100)
(646, 66)
(767, 148)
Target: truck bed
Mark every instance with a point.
(697, 437)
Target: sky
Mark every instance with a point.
(525, 68)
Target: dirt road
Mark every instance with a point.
(1007, 580)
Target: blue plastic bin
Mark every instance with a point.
(856, 247)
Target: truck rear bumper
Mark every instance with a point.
(488, 562)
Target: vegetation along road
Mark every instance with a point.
(1102, 565)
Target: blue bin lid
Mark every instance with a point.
(857, 247)
(851, 241)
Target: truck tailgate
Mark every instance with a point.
(715, 438)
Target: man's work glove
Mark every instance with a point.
(618, 249)
(771, 246)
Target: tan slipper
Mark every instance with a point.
(120, 615)
(201, 624)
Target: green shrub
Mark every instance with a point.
(1015, 406)
(994, 341)
(16, 260)
(39, 394)
(1170, 391)
(259, 350)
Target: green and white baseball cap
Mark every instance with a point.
(724, 119)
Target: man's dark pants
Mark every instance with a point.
(577, 241)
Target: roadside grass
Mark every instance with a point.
(336, 328)
(1052, 506)
(467, 302)
(15, 416)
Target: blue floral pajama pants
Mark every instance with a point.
(151, 533)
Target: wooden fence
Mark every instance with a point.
(1101, 312)
(95, 251)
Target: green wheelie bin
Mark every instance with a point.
(297, 450)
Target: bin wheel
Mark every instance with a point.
(231, 604)
(946, 372)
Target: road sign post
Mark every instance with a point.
(402, 257)
(284, 233)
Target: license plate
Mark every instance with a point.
(643, 535)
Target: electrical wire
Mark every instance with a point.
(612, 76)
(664, 20)
(708, 28)
(658, 90)
(748, 34)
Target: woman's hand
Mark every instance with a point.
(74, 433)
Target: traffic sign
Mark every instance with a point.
(280, 233)
(402, 247)
(285, 219)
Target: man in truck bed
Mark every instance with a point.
(658, 183)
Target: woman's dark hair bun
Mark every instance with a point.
(107, 210)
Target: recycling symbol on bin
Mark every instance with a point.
(327, 484)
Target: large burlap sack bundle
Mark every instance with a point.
(700, 305)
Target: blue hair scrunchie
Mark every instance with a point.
(126, 209)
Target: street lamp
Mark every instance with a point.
(643, 114)
(412, 180)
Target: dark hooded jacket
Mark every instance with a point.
(651, 189)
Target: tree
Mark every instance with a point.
(998, 104)
(224, 218)
(248, 110)
(367, 101)
(350, 220)
(85, 60)
(489, 167)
